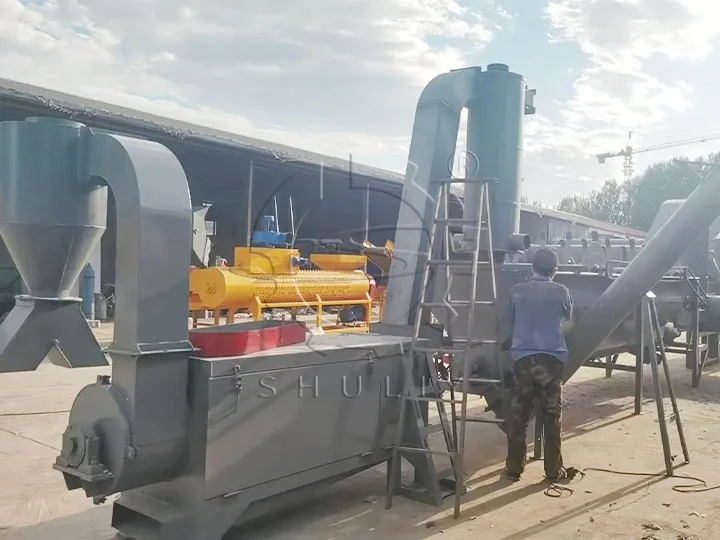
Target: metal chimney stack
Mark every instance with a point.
(51, 216)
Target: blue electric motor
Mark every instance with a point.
(268, 235)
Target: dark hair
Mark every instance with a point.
(545, 262)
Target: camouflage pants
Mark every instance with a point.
(538, 378)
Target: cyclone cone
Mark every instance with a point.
(51, 216)
(49, 258)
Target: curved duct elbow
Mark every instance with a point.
(453, 89)
(432, 151)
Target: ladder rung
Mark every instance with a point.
(476, 341)
(434, 399)
(433, 486)
(461, 264)
(485, 420)
(467, 180)
(432, 350)
(457, 303)
(482, 380)
(413, 450)
(473, 381)
(457, 221)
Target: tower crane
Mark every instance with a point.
(628, 152)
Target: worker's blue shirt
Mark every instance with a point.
(536, 312)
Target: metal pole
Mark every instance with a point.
(640, 329)
(367, 211)
(648, 308)
(249, 205)
(671, 390)
(367, 219)
(277, 216)
(292, 218)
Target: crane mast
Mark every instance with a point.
(628, 152)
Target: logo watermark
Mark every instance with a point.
(348, 387)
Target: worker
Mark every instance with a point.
(538, 349)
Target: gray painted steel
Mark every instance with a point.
(51, 217)
(154, 227)
(661, 252)
(495, 147)
(267, 424)
(432, 149)
(191, 443)
(606, 294)
(496, 104)
(201, 243)
(139, 416)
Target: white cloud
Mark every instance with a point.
(620, 90)
(342, 76)
(333, 76)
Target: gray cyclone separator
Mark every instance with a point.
(497, 101)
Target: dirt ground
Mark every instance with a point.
(600, 431)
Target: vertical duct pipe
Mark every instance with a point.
(495, 149)
(432, 152)
(497, 100)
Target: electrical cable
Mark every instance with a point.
(34, 413)
(557, 490)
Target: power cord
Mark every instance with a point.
(557, 490)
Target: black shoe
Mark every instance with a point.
(514, 477)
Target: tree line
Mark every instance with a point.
(635, 203)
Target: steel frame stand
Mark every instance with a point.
(702, 349)
(650, 320)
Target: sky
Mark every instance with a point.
(343, 77)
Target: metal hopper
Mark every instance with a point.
(51, 216)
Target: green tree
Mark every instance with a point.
(613, 202)
(674, 179)
(635, 203)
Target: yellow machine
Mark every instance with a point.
(268, 278)
(382, 258)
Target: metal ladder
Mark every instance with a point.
(651, 324)
(453, 431)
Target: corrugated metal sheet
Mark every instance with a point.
(82, 108)
(584, 221)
